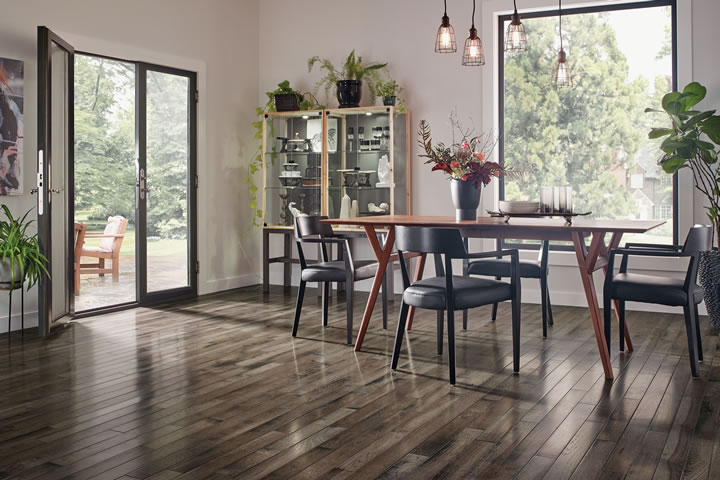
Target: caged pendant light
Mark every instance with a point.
(445, 39)
(516, 38)
(563, 79)
(473, 55)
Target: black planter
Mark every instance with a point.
(466, 198)
(710, 281)
(389, 101)
(286, 102)
(349, 93)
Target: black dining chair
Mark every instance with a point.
(500, 267)
(309, 230)
(448, 292)
(677, 292)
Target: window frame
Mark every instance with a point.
(502, 18)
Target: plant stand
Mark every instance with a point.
(6, 286)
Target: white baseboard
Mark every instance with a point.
(229, 283)
(31, 321)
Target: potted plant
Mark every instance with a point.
(388, 91)
(287, 99)
(465, 163)
(348, 79)
(691, 141)
(20, 257)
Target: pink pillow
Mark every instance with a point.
(112, 228)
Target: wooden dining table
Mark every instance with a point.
(590, 258)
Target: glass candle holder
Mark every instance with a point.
(556, 199)
(546, 199)
(568, 199)
(562, 199)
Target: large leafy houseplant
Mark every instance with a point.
(691, 141)
(20, 251)
(353, 70)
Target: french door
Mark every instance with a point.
(164, 250)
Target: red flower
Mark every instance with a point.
(454, 165)
(480, 156)
(442, 166)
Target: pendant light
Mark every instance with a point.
(516, 38)
(563, 79)
(445, 39)
(473, 55)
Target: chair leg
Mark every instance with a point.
(440, 320)
(699, 335)
(101, 264)
(692, 338)
(116, 269)
(516, 332)
(465, 319)
(495, 305)
(77, 279)
(621, 325)
(399, 334)
(384, 300)
(349, 290)
(298, 308)
(607, 315)
(451, 343)
(543, 304)
(325, 301)
(549, 307)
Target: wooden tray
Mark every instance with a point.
(568, 216)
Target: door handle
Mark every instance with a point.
(55, 190)
(142, 184)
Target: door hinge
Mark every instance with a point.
(197, 96)
(197, 181)
(197, 266)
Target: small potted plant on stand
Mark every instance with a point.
(388, 91)
(692, 142)
(348, 79)
(465, 163)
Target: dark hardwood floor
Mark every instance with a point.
(217, 388)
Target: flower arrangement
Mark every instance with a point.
(465, 160)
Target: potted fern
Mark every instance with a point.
(20, 256)
(348, 79)
(691, 141)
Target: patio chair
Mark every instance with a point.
(80, 229)
(109, 249)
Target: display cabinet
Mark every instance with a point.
(339, 163)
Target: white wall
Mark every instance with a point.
(217, 39)
(401, 32)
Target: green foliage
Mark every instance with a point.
(306, 101)
(587, 136)
(390, 88)
(352, 69)
(685, 144)
(21, 250)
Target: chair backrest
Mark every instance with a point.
(310, 225)
(116, 226)
(79, 231)
(699, 239)
(447, 241)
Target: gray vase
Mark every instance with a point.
(466, 198)
(710, 281)
(6, 272)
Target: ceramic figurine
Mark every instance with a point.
(383, 172)
(355, 210)
(345, 205)
(295, 212)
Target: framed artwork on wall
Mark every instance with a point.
(11, 126)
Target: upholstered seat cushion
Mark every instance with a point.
(500, 267)
(469, 292)
(651, 289)
(112, 228)
(335, 271)
(95, 250)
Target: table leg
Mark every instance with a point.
(586, 260)
(382, 253)
(287, 253)
(419, 268)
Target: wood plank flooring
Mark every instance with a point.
(217, 388)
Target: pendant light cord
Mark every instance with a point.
(473, 15)
(445, 8)
(560, 15)
(515, 5)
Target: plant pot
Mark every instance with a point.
(286, 102)
(710, 281)
(349, 93)
(389, 101)
(6, 272)
(466, 198)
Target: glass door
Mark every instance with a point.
(54, 176)
(166, 183)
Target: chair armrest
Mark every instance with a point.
(648, 246)
(493, 254)
(104, 235)
(649, 253)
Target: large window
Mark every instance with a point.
(592, 136)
